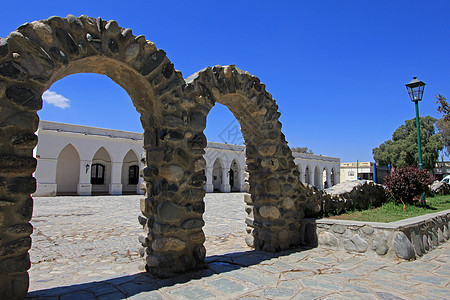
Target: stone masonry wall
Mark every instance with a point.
(406, 239)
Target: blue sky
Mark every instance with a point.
(337, 69)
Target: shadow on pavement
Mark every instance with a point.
(144, 282)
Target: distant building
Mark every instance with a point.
(442, 169)
(363, 170)
(83, 160)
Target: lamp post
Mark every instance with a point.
(415, 90)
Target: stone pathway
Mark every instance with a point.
(86, 248)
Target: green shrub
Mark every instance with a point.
(404, 184)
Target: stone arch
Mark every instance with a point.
(38, 54)
(67, 171)
(270, 164)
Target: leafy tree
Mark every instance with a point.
(402, 150)
(302, 150)
(443, 125)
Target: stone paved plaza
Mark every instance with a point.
(87, 248)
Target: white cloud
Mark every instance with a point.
(55, 99)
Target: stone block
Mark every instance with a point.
(15, 264)
(328, 239)
(171, 172)
(168, 244)
(367, 229)
(269, 212)
(193, 224)
(170, 212)
(356, 243)
(380, 244)
(16, 246)
(402, 246)
(337, 228)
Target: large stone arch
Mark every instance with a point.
(274, 202)
(38, 54)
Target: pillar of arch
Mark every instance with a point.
(67, 171)
(270, 164)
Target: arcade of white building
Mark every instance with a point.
(82, 160)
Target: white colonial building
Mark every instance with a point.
(82, 160)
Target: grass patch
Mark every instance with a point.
(391, 211)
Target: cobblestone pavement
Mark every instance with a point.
(86, 248)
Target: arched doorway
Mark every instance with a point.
(324, 179)
(217, 175)
(234, 176)
(101, 172)
(67, 171)
(130, 173)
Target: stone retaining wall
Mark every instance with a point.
(407, 239)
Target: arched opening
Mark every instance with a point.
(307, 176)
(217, 175)
(67, 171)
(101, 172)
(324, 179)
(317, 177)
(235, 176)
(130, 173)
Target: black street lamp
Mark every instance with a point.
(415, 90)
